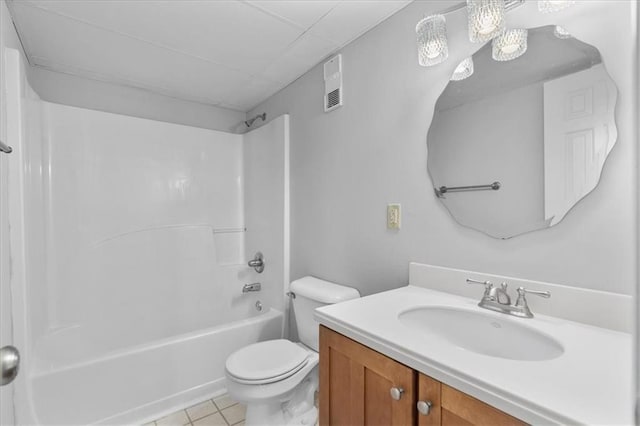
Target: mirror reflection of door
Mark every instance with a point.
(577, 111)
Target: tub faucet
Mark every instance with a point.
(257, 262)
(497, 299)
(251, 287)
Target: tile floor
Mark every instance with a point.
(220, 411)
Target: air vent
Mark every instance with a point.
(333, 99)
(333, 83)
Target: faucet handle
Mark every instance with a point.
(522, 304)
(488, 285)
(523, 291)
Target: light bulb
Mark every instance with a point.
(508, 45)
(432, 40)
(510, 48)
(486, 19)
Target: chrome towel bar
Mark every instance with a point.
(5, 148)
(443, 189)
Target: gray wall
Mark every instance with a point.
(348, 164)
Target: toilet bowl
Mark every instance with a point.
(277, 379)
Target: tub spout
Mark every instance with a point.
(251, 287)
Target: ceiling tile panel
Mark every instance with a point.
(304, 13)
(250, 93)
(352, 18)
(224, 31)
(230, 52)
(84, 47)
(303, 55)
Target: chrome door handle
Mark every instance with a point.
(424, 407)
(9, 364)
(396, 393)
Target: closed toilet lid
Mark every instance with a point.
(268, 361)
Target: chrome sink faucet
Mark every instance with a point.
(498, 299)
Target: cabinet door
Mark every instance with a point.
(460, 409)
(356, 383)
(429, 393)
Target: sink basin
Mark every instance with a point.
(482, 333)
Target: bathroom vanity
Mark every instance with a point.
(361, 386)
(420, 355)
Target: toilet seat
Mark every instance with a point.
(266, 362)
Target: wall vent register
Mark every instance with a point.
(333, 83)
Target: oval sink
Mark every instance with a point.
(482, 333)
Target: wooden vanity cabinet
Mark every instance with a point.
(356, 383)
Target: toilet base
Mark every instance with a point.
(299, 410)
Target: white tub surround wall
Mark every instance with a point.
(266, 206)
(568, 389)
(142, 218)
(358, 158)
(128, 258)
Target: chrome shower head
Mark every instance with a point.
(250, 121)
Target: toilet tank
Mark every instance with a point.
(312, 293)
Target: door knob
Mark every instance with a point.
(424, 407)
(396, 393)
(9, 364)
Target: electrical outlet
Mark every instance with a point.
(393, 216)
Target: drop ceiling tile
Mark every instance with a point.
(251, 93)
(84, 47)
(227, 32)
(304, 13)
(352, 18)
(224, 52)
(306, 52)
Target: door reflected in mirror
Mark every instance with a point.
(542, 125)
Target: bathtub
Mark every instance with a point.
(140, 384)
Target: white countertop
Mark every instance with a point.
(590, 383)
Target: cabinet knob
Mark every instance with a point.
(396, 393)
(424, 407)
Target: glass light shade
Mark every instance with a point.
(509, 45)
(432, 40)
(486, 19)
(560, 32)
(547, 6)
(463, 70)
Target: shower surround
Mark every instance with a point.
(132, 237)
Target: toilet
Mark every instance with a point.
(277, 379)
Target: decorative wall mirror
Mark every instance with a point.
(533, 133)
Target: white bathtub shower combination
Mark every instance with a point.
(128, 298)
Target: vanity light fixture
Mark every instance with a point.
(561, 32)
(486, 19)
(432, 40)
(548, 6)
(509, 45)
(463, 70)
